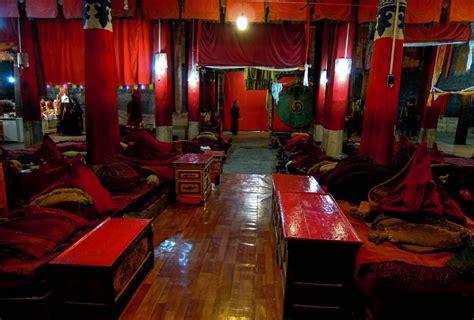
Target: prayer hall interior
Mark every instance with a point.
(236, 159)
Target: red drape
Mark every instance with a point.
(429, 59)
(161, 9)
(461, 11)
(338, 90)
(132, 38)
(253, 114)
(62, 50)
(119, 10)
(367, 10)
(285, 10)
(338, 10)
(321, 91)
(253, 11)
(9, 9)
(280, 46)
(8, 30)
(380, 114)
(73, 9)
(164, 102)
(102, 128)
(423, 11)
(62, 54)
(41, 8)
(444, 32)
(201, 9)
(29, 85)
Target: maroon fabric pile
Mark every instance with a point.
(303, 152)
(142, 145)
(118, 177)
(418, 194)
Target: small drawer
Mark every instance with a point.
(189, 174)
(189, 187)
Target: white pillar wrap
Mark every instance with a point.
(193, 129)
(428, 135)
(335, 139)
(164, 133)
(318, 133)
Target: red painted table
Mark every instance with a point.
(216, 165)
(293, 183)
(96, 275)
(193, 178)
(317, 250)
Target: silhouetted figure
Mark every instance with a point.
(235, 115)
(134, 110)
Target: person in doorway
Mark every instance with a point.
(235, 116)
(134, 110)
(409, 119)
(356, 114)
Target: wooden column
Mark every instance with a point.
(381, 106)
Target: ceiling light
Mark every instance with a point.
(242, 22)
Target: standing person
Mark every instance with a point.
(235, 114)
(357, 116)
(409, 118)
(134, 110)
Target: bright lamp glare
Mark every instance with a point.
(343, 66)
(193, 78)
(161, 64)
(324, 77)
(11, 79)
(242, 22)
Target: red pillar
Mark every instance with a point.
(194, 112)
(102, 129)
(381, 106)
(29, 86)
(164, 102)
(338, 89)
(321, 90)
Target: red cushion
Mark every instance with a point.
(163, 147)
(48, 149)
(84, 178)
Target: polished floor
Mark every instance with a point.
(215, 261)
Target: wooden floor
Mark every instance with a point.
(215, 261)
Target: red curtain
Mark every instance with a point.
(279, 46)
(62, 50)
(461, 11)
(321, 91)
(8, 30)
(194, 110)
(161, 9)
(423, 11)
(338, 10)
(254, 11)
(120, 11)
(133, 50)
(164, 102)
(444, 32)
(367, 10)
(201, 9)
(41, 8)
(285, 10)
(73, 9)
(253, 114)
(9, 9)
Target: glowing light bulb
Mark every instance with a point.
(11, 79)
(242, 22)
(343, 66)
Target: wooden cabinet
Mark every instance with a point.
(316, 250)
(96, 276)
(193, 178)
(216, 165)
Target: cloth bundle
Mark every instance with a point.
(118, 177)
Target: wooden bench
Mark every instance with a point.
(95, 277)
(316, 250)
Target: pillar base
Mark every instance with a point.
(318, 133)
(334, 140)
(33, 133)
(428, 135)
(164, 133)
(193, 129)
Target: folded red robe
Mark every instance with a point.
(419, 194)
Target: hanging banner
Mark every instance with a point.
(41, 8)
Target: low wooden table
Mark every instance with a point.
(95, 277)
(193, 178)
(317, 247)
